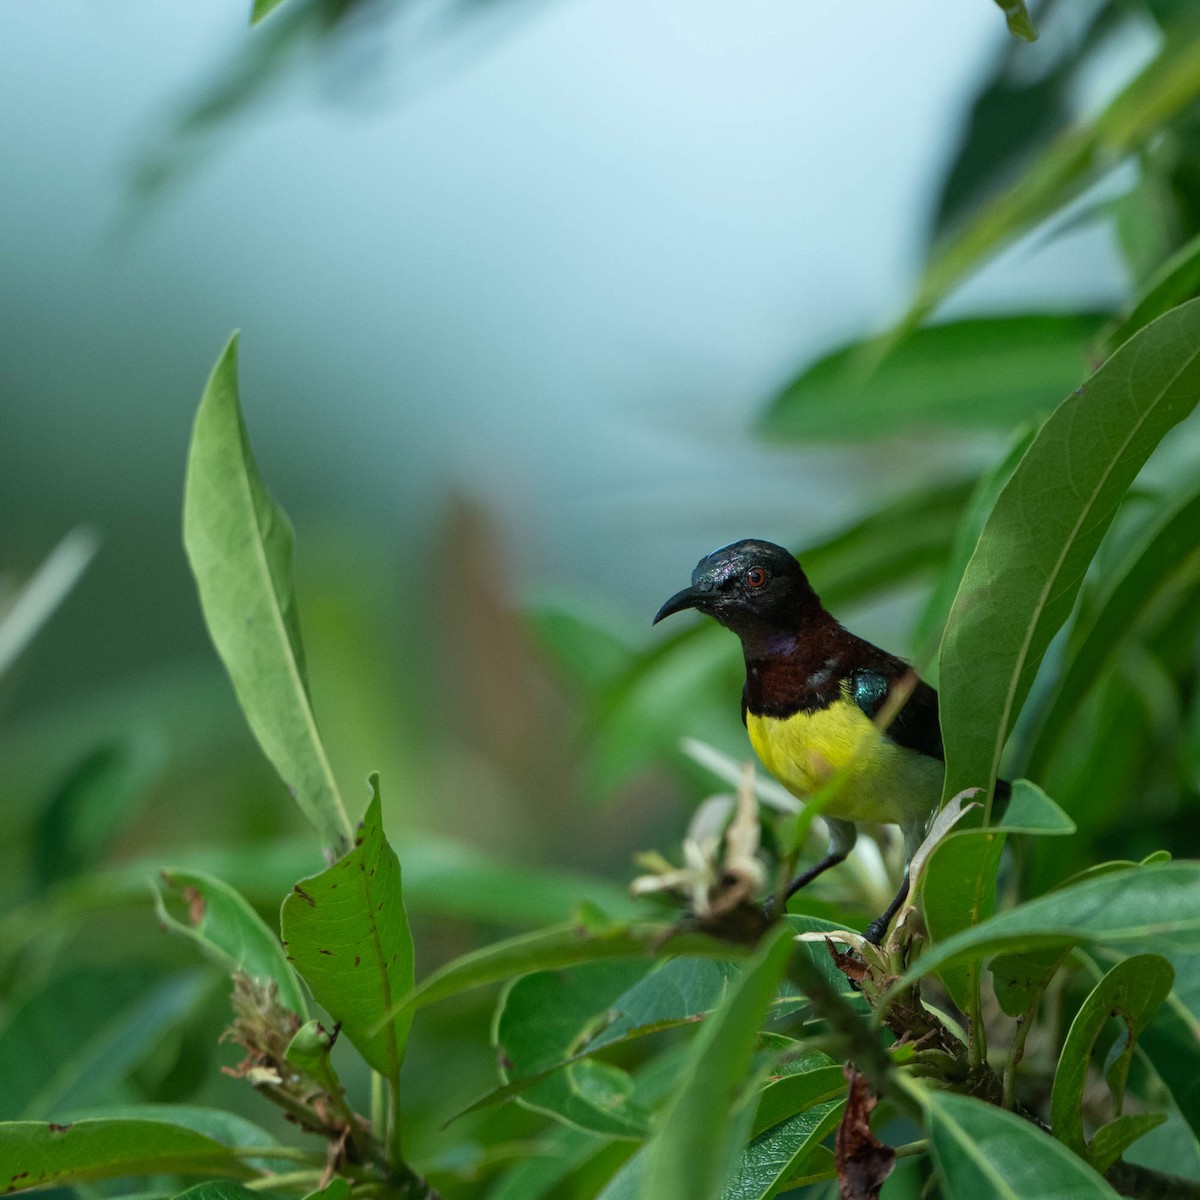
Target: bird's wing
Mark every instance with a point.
(916, 725)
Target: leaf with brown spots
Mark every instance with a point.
(347, 934)
(863, 1162)
(37, 1154)
(220, 921)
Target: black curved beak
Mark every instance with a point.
(688, 598)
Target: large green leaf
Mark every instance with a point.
(1147, 904)
(594, 1166)
(959, 892)
(1165, 553)
(228, 1128)
(694, 1148)
(546, 1018)
(74, 1041)
(228, 930)
(347, 933)
(983, 1152)
(561, 946)
(777, 1159)
(549, 1021)
(959, 883)
(1132, 991)
(34, 1154)
(977, 373)
(589, 1015)
(239, 543)
(1044, 530)
(932, 622)
(795, 1086)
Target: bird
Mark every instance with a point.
(812, 700)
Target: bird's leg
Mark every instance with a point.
(878, 927)
(914, 834)
(842, 836)
(806, 877)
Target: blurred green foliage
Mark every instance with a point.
(1057, 605)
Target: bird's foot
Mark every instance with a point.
(874, 932)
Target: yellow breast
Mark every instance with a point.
(877, 779)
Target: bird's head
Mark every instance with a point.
(748, 587)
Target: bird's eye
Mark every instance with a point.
(755, 577)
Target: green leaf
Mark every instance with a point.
(217, 1189)
(220, 1125)
(547, 1018)
(93, 802)
(977, 373)
(675, 991)
(983, 1152)
(221, 1189)
(1030, 810)
(74, 1041)
(347, 934)
(548, 1021)
(1164, 87)
(34, 1154)
(1177, 280)
(959, 883)
(694, 1147)
(561, 946)
(960, 892)
(1044, 530)
(263, 8)
(1172, 1040)
(230, 932)
(1165, 553)
(1019, 979)
(1112, 1140)
(561, 1155)
(1132, 991)
(931, 624)
(1020, 23)
(239, 544)
(796, 1088)
(338, 1188)
(308, 1052)
(773, 1160)
(1123, 908)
